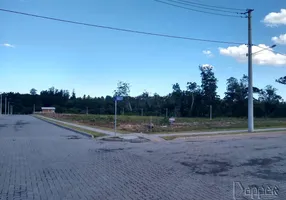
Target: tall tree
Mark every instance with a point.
(73, 96)
(208, 87)
(176, 88)
(269, 94)
(192, 88)
(123, 90)
(176, 95)
(33, 91)
(270, 99)
(281, 80)
(236, 96)
(209, 84)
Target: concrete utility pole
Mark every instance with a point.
(5, 106)
(250, 77)
(8, 107)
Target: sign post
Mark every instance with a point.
(115, 112)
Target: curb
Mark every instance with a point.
(67, 128)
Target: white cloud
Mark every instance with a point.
(266, 57)
(8, 45)
(207, 66)
(279, 40)
(275, 18)
(208, 53)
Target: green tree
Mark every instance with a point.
(281, 80)
(208, 88)
(33, 91)
(209, 84)
(176, 99)
(123, 90)
(236, 97)
(270, 99)
(192, 88)
(73, 96)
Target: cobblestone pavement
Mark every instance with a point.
(42, 161)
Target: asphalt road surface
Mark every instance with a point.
(42, 161)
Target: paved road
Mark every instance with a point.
(42, 161)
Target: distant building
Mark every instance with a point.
(48, 109)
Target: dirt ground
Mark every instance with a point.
(147, 124)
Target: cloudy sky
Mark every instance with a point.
(36, 53)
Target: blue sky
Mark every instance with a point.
(37, 53)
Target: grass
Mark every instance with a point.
(87, 120)
(93, 133)
(127, 124)
(172, 137)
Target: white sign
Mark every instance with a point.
(172, 120)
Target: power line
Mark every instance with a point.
(120, 29)
(212, 6)
(201, 11)
(203, 7)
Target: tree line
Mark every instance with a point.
(193, 101)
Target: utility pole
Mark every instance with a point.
(250, 78)
(115, 116)
(11, 110)
(5, 105)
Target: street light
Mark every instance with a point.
(250, 83)
(268, 48)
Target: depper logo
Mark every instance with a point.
(253, 191)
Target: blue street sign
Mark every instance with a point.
(118, 98)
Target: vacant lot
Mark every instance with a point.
(148, 124)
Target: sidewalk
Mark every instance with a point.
(216, 132)
(109, 133)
